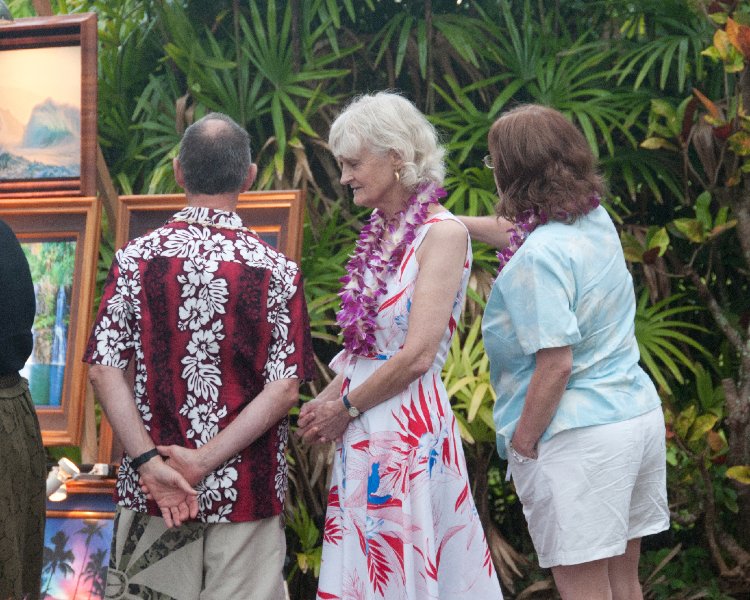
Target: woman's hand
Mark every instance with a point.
(526, 451)
(322, 420)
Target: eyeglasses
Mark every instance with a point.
(487, 160)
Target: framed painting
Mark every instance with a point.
(60, 238)
(276, 216)
(77, 539)
(48, 74)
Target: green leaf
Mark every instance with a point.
(740, 143)
(719, 229)
(684, 421)
(631, 247)
(656, 143)
(703, 210)
(658, 238)
(701, 426)
(692, 229)
(739, 473)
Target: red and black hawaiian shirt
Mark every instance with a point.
(211, 314)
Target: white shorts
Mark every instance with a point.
(594, 488)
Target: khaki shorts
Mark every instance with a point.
(197, 561)
(594, 488)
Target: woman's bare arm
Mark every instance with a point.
(491, 230)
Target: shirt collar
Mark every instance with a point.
(208, 217)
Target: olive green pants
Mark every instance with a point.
(23, 470)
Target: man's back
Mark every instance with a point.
(211, 314)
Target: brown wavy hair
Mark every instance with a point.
(542, 162)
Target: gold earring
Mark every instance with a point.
(398, 175)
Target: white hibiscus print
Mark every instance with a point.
(282, 324)
(204, 422)
(150, 246)
(189, 403)
(200, 271)
(253, 253)
(203, 345)
(220, 515)
(226, 475)
(281, 478)
(109, 345)
(120, 309)
(128, 257)
(203, 379)
(214, 295)
(185, 242)
(276, 367)
(276, 295)
(194, 314)
(219, 248)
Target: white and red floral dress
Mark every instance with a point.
(401, 521)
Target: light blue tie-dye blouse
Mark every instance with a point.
(567, 286)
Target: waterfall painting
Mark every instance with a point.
(48, 106)
(52, 265)
(60, 239)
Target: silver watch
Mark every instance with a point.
(353, 411)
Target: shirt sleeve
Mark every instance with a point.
(111, 342)
(291, 353)
(539, 291)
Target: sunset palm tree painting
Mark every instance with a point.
(76, 553)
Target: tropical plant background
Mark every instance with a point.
(661, 89)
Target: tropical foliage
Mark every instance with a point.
(661, 89)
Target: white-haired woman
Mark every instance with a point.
(401, 521)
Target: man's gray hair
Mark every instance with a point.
(215, 155)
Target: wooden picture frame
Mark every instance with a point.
(60, 237)
(48, 74)
(78, 532)
(276, 216)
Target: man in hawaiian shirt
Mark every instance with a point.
(216, 326)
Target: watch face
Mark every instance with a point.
(353, 411)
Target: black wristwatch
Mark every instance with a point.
(141, 460)
(353, 411)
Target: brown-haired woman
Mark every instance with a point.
(577, 418)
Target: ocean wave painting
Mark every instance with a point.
(40, 113)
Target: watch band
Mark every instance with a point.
(353, 411)
(139, 461)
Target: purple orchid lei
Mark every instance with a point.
(381, 257)
(528, 221)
